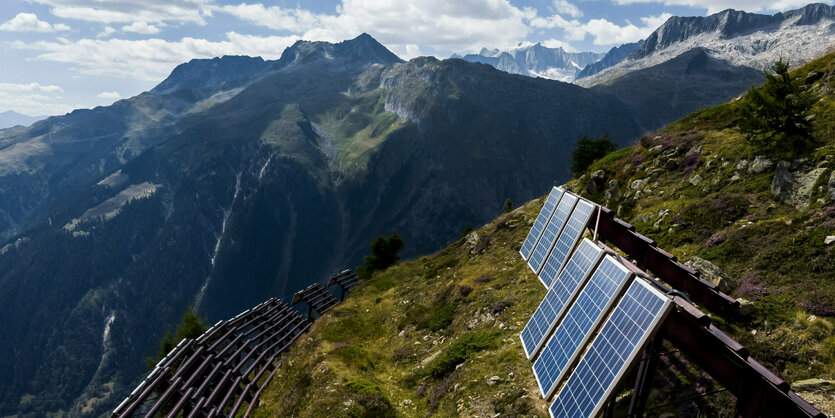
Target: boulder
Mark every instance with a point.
(612, 190)
(759, 165)
(712, 273)
(696, 180)
(832, 187)
(638, 184)
(794, 186)
(596, 182)
(746, 307)
(829, 239)
(742, 165)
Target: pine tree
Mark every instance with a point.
(588, 150)
(776, 116)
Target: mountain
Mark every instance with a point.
(740, 38)
(236, 179)
(11, 118)
(614, 56)
(695, 187)
(536, 61)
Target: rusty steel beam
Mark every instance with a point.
(760, 393)
(663, 264)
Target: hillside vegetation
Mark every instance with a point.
(439, 335)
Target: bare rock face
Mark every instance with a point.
(793, 185)
(712, 273)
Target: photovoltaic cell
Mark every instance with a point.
(571, 233)
(540, 222)
(613, 351)
(560, 296)
(571, 335)
(552, 231)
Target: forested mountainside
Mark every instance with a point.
(439, 335)
(237, 178)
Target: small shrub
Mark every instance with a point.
(383, 254)
(501, 305)
(465, 290)
(442, 318)
(484, 278)
(508, 205)
(459, 351)
(638, 160)
(715, 239)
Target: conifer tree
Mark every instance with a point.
(777, 116)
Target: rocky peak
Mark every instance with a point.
(211, 73)
(361, 51)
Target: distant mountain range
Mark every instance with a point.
(739, 38)
(11, 118)
(536, 61)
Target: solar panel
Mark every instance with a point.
(540, 222)
(571, 335)
(634, 319)
(559, 296)
(552, 231)
(571, 233)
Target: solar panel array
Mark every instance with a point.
(551, 232)
(583, 317)
(559, 296)
(570, 235)
(540, 222)
(634, 319)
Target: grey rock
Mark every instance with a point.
(654, 150)
(697, 149)
(696, 180)
(671, 164)
(813, 385)
(638, 184)
(654, 174)
(596, 182)
(712, 273)
(829, 240)
(760, 165)
(832, 187)
(672, 152)
(612, 190)
(794, 187)
(493, 380)
(742, 165)
(746, 307)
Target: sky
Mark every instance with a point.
(59, 55)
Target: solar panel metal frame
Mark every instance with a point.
(543, 218)
(571, 234)
(556, 315)
(630, 359)
(574, 357)
(566, 205)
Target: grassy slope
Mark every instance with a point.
(387, 348)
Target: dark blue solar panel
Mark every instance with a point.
(634, 319)
(560, 296)
(571, 233)
(592, 304)
(540, 222)
(552, 231)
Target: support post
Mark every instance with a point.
(643, 382)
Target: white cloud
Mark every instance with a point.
(603, 31)
(149, 59)
(110, 95)
(32, 98)
(565, 8)
(442, 24)
(29, 22)
(107, 31)
(713, 6)
(141, 27)
(125, 11)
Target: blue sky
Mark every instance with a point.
(58, 55)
